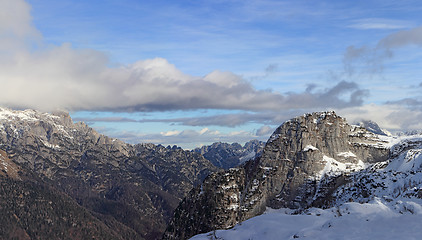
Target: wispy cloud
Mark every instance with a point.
(379, 23)
(402, 38)
(105, 119)
(412, 103)
(371, 59)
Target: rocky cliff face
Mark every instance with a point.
(303, 162)
(226, 155)
(381, 201)
(129, 188)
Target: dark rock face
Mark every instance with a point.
(33, 210)
(302, 163)
(225, 155)
(129, 188)
(214, 203)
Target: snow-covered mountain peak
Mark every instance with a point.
(380, 200)
(52, 131)
(12, 115)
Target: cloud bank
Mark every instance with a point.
(43, 77)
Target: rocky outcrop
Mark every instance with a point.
(127, 187)
(8, 168)
(302, 163)
(226, 155)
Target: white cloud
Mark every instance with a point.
(204, 130)
(379, 23)
(63, 77)
(170, 133)
(223, 79)
(15, 25)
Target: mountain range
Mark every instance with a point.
(63, 180)
(95, 186)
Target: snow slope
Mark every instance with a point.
(381, 201)
(374, 220)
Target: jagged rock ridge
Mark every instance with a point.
(129, 188)
(303, 162)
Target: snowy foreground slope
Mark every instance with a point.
(382, 201)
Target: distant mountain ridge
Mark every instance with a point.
(373, 127)
(226, 155)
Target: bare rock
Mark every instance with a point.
(301, 164)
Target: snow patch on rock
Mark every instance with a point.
(309, 148)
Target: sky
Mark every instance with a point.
(190, 73)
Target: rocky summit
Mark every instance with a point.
(123, 191)
(305, 160)
(381, 201)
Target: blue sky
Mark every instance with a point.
(194, 72)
